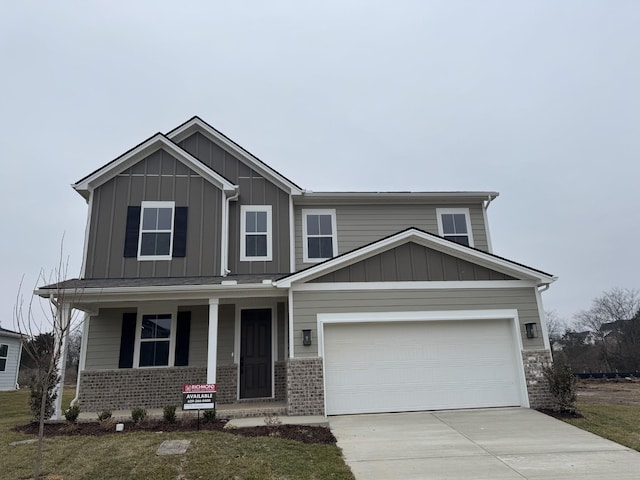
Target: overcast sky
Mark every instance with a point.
(538, 100)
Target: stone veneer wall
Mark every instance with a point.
(539, 394)
(305, 389)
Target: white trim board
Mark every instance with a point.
(364, 286)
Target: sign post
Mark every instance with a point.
(199, 397)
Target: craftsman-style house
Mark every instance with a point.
(202, 264)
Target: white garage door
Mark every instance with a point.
(410, 366)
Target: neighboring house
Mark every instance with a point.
(203, 264)
(10, 353)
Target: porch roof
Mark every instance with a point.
(85, 283)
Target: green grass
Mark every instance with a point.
(620, 423)
(132, 455)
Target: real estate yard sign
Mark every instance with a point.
(199, 396)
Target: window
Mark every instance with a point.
(255, 233)
(4, 353)
(319, 240)
(454, 224)
(156, 231)
(155, 340)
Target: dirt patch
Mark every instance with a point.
(612, 392)
(299, 433)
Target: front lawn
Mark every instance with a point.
(132, 455)
(620, 423)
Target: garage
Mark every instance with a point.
(395, 366)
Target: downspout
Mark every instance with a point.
(224, 263)
(485, 207)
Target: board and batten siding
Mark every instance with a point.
(412, 262)
(360, 225)
(158, 177)
(307, 305)
(254, 189)
(8, 377)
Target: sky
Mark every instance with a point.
(538, 100)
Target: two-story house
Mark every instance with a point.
(202, 264)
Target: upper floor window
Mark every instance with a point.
(255, 233)
(155, 340)
(4, 353)
(455, 224)
(156, 231)
(319, 240)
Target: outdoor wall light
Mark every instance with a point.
(306, 337)
(531, 329)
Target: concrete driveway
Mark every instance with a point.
(492, 444)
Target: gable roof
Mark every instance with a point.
(429, 240)
(144, 149)
(196, 124)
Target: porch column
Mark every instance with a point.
(212, 351)
(62, 324)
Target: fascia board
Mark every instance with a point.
(429, 241)
(367, 198)
(198, 125)
(11, 335)
(153, 144)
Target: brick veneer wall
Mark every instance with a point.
(305, 389)
(122, 389)
(227, 383)
(280, 381)
(537, 388)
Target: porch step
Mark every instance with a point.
(254, 409)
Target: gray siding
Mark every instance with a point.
(159, 177)
(412, 262)
(308, 304)
(360, 225)
(8, 377)
(103, 340)
(254, 190)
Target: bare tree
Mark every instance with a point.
(611, 312)
(58, 321)
(556, 327)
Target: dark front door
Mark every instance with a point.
(255, 353)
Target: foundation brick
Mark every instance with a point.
(305, 389)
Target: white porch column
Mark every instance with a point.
(63, 325)
(212, 351)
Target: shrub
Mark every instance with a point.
(209, 416)
(169, 414)
(138, 414)
(71, 413)
(104, 415)
(562, 385)
(39, 382)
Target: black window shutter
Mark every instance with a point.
(182, 339)
(180, 232)
(131, 232)
(127, 340)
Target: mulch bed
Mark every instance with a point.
(561, 415)
(300, 433)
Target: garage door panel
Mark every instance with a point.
(404, 366)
